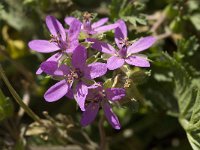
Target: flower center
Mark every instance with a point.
(74, 74)
(124, 44)
(54, 38)
(87, 17)
(57, 40)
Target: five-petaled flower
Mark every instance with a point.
(61, 40)
(127, 52)
(100, 97)
(68, 75)
(92, 28)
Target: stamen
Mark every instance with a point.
(87, 16)
(74, 74)
(124, 42)
(54, 38)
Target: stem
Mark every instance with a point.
(102, 134)
(17, 97)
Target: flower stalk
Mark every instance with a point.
(18, 98)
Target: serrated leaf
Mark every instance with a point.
(188, 96)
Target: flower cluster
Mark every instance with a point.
(75, 76)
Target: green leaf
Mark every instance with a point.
(196, 21)
(16, 17)
(139, 77)
(108, 83)
(188, 97)
(93, 58)
(6, 106)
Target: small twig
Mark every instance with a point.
(17, 97)
(93, 144)
(160, 20)
(102, 134)
(70, 139)
(164, 35)
(11, 130)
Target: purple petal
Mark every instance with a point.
(95, 70)
(55, 27)
(114, 62)
(69, 20)
(120, 32)
(115, 94)
(89, 114)
(79, 57)
(99, 23)
(70, 94)
(54, 57)
(52, 68)
(57, 91)
(141, 44)
(74, 31)
(39, 71)
(102, 46)
(111, 117)
(106, 28)
(43, 46)
(80, 95)
(139, 61)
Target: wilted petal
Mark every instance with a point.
(106, 28)
(80, 95)
(43, 46)
(74, 31)
(111, 117)
(115, 94)
(101, 46)
(95, 70)
(69, 20)
(99, 23)
(120, 32)
(52, 68)
(89, 114)
(55, 27)
(141, 44)
(57, 91)
(79, 57)
(114, 62)
(139, 61)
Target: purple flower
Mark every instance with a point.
(127, 52)
(92, 28)
(99, 97)
(68, 75)
(59, 40)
